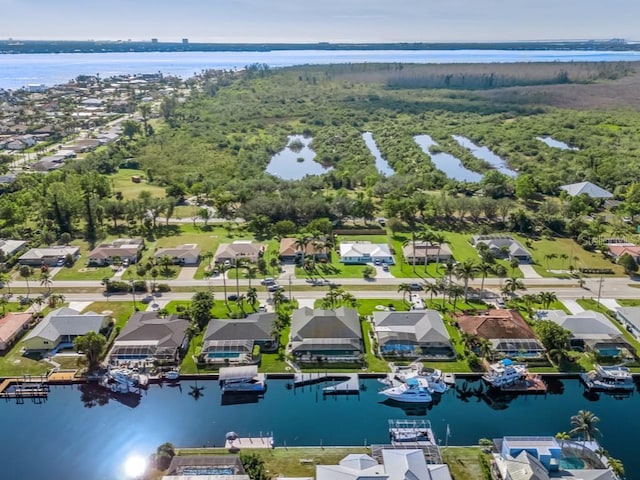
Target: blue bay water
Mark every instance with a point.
(88, 434)
(19, 70)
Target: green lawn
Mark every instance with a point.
(121, 182)
(79, 270)
(271, 362)
(374, 363)
(13, 363)
(120, 311)
(589, 304)
(627, 302)
(576, 256)
(188, 365)
(464, 462)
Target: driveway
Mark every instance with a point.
(79, 306)
(380, 273)
(287, 270)
(610, 303)
(306, 302)
(187, 273)
(529, 272)
(572, 305)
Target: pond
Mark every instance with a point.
(297, 162)
(446, 162)
(553, 143)
(381, 164)
(483, 153)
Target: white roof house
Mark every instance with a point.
(11, 247)
(588, 188)
(365, 252)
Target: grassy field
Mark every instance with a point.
(121, 182)
(13, 363)
(464, 462)
(120, 311)
(79, 270)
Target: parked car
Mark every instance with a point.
(385, 267)
(416, 287)
(232, 298)
(274, 288)
(376, 263)
(268, 281)
(500, 303)
(262, 308)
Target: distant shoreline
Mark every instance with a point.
(43, 46)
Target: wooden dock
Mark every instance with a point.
(24, 387)
(348, 383)
(239, 443)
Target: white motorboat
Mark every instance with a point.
(449, 378)
(172, 375)
(616, 377)
(433, 377)
(505, 373)
(123, 380)
(414, 390)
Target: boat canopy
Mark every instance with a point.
(412, 382)
(236, 373)
(507, 362)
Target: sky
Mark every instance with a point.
(275, 21)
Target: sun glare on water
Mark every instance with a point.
(135, 466)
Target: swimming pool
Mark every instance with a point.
(571, 463)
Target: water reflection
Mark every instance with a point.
(296, 160)
(446, 162)
(553, 143)
(93, 395)
(483, 153)
(381, 164)
(239, 398)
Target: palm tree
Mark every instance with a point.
(438, 239)
(557, 355)
(432, 288)
(278, 298)
(584, 423)
(616, 466)
(564, 257)
(55, 300)
(251, 272)
(455, 292)
(237, 263)
(412, 242)
(485, 348)
(512, 284)
(547, 298)
(426, 236)
(501, 271)
(45, 281)
(223, 271)
(166, 262)
(404, 288)
(348, 299)
(206, 258)
(449, 268)
(252, 297)
(4, 301)
(5, 280)
(562, 436)
(528, 301)
(466, 271)
(26, 272)
(514, 263)
(240, 303)
(38, 301)
(484, 269)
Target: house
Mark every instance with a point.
(50, 256)
(12, 325)
(398, 464)
(190, 467)
(334, 335)
(122, 249)
(587, 188)
(618, 250)
(47, 164)
(590, 330)
(60, 328)
(10, 247)
(234, 340)
(543, 458)
(149, 338)
(508, 332)
(502, 246)
(630, 318)
(292, 251)
(419, 251)
(188, 254)
(415, 333)
(365, 252)
(241, 249)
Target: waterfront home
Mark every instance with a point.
(61, 327)
(188, 254)
(10, 247)
(618, 250)
(148, 338)
(292, 251)
(330, 335)
(398, 464)
(502, 246)
(120, 250)
(12, 325)
(543, 458)
(432, 252)
(234, 340)
(590, 331)
(412, 334)
(365, 252)
(586, 188)
(189, 467)
(630, 318)
(50, 256)
(508, 332)
(240, 249)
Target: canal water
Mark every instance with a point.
(381, 163)
(553, 143)
(85, 432)
(446, 162)
(483, 153)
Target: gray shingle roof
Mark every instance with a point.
(147, 327)
(325, 329)
(67, 321)
(418, 326)
(257, 326)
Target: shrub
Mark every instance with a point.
(163, 287)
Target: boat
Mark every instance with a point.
(449, 378)
(433, 377)
(123, 380)
(505, 373)
(616, 377)
(414, 431)
(244, 379)
(414, 390)
(172, 375)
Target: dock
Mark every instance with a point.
(348, 383)
(24, 387)
(531, 384)
(235, 443)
